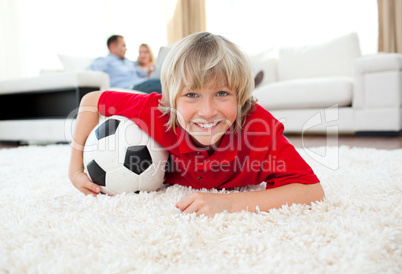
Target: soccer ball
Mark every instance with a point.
(121, 157)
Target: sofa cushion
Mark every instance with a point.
(333, 58)
(266, 62)
(71, 63)
(156, 73)
(306, 93)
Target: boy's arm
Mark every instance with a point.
(211, 203)
(87, 119)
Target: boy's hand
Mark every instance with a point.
(82, 182)
(211, 203)
(205, 203)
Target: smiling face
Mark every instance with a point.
(207, 87)
(206, 113)
(144, 56)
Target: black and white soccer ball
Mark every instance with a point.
(121, 157)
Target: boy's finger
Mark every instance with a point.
(92, 187)
(89, 192)
(185, 203)
(191, 208)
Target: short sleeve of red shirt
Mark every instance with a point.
(140, 108)
(281, 164)
(290, 166)
(130, 105)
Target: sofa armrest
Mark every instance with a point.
(50, 71)
(378, 81)
(73, 79)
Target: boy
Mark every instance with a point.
(217, 136)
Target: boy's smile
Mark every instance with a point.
(206, 114)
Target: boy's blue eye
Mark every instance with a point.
(222, 93)
(191, 95)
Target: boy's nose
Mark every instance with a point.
(207, 108)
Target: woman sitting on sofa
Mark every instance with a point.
(145, 62)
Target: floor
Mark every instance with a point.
(379, 142)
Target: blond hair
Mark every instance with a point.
(204, 59)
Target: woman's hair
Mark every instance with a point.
(204, 59)
(151, 54)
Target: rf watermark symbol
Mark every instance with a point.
(326, 120)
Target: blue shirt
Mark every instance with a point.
(122, 72)
(140, 71)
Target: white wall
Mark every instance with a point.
(32, 33)
(257, 25)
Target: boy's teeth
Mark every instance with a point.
(208, 125)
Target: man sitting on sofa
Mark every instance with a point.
(121, 71)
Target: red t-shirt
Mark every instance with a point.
(257, 153)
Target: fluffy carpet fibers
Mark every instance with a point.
(47, 226)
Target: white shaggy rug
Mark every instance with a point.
(47, 226)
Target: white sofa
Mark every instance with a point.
(321, 88)
(330, 87)
(42, 109)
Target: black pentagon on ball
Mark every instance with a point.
(108, 128)
(97, 174)
(168, 166)
(137, 159)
